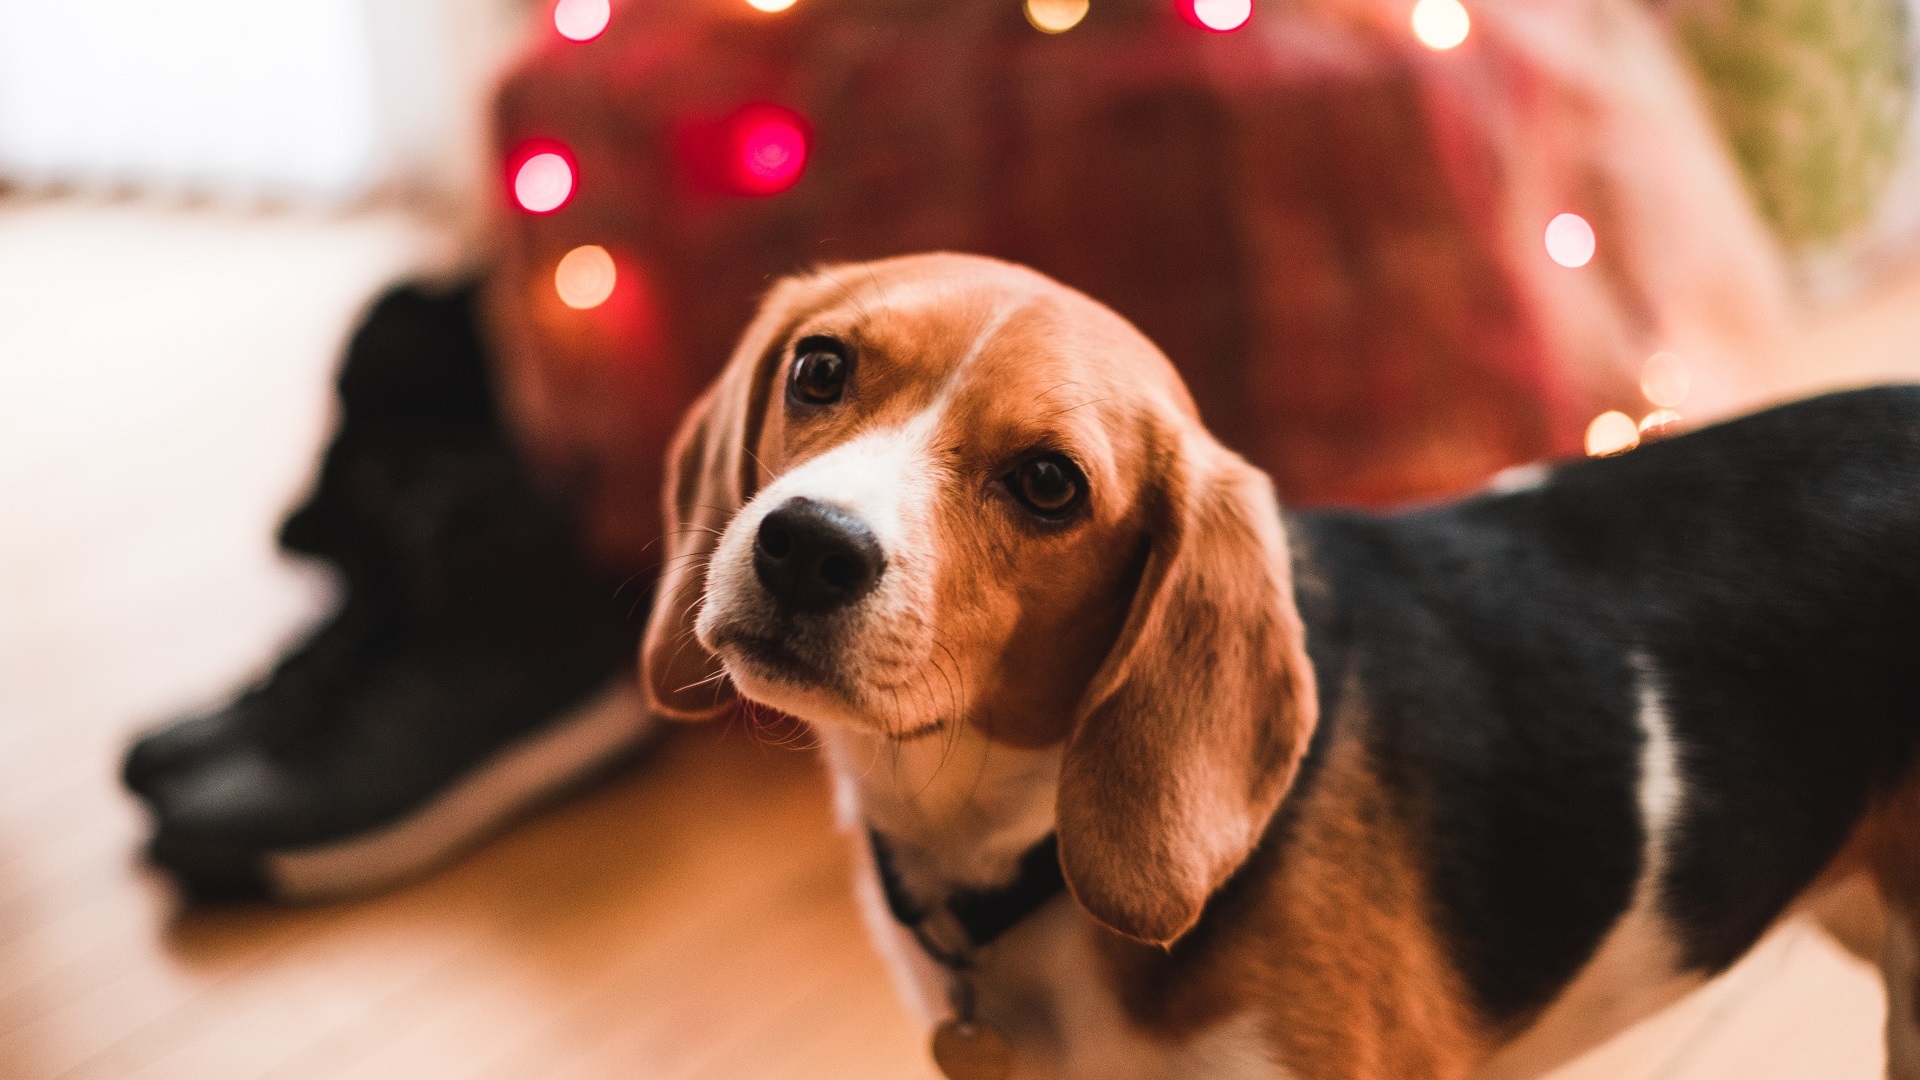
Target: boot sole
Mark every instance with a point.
(566, 752)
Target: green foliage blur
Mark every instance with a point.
(1813, 95)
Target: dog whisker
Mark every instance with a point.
(956, 703)
(929, 729)
(1076, 408)
(757, 463)
(715, 677)
(628, 580)
(687, 557)
(686, 637)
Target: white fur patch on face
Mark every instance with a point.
(888, 481)
(880, 477)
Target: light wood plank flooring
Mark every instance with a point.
(163, 387)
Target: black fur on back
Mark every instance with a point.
(1765, 570)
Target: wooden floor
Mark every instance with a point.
(162, 391)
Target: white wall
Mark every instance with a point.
(323, 100)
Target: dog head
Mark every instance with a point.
(942, 490)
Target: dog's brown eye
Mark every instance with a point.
(1048, 485)
(819, 371)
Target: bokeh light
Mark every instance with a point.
(769, 6)
(1658, 423)
(770, 150)
(1612, 432)
(585, 277)
(1440, 24)
(1056, 16)
(1570, 240)
(1222, 16)
(543, 182)
(1665, 380)
(581, 20)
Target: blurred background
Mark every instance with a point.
(318, 104)
(1394, 246)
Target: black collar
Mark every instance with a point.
(970, 920)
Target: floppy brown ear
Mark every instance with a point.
(1192, 730)
(710, 476)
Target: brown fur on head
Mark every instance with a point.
(1150, 626)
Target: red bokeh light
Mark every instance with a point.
(759, 149)
(541, 176)
(1218, 16)
(769, 150)
(581, 20)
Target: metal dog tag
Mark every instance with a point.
(971, 1051)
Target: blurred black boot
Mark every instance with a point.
(477, 664)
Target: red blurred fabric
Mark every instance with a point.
(1327, 227)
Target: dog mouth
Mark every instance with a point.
(779, 664)
(774, 658)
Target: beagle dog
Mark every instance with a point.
(1158, 782)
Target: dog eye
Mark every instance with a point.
(1049, 485)
(820, 369)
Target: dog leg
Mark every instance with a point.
(1894, 842)
(1853, 913)
(1900, 967)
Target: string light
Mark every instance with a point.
(582, 20)
(543, 178)
(1440, 24)
(770, 150)
(1570, 241)
(1220, 16)
(1612, 432)
(585, 277)
(770, 6)
(1056, 16)
(1665, 380)
(1657, 423)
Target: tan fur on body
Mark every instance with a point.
(1335, 940)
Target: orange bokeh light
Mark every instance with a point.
(1056, 16)
(1440, 24)
(1665, 380)
(1659, 422)
(585, 277)
(1612, 432)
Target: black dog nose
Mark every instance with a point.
(813, 557)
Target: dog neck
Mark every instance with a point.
(957, 809)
